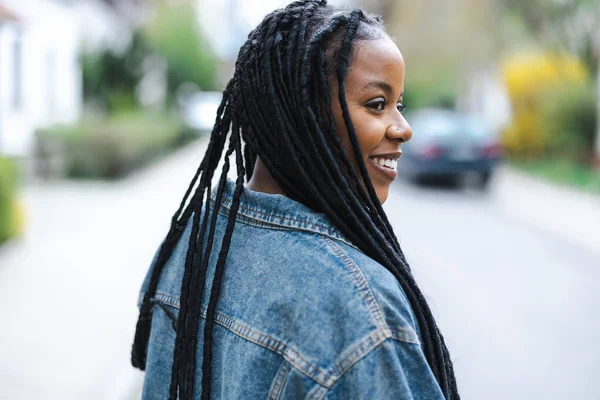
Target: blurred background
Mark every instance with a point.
(105, 110)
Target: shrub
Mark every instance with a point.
(10, 212)
(568, 120)
(529, 79)
(176, 37)
(111, 148)
(110, 78)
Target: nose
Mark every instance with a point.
(400, 132)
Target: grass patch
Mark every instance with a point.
(564, 172)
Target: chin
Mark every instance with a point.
(382, 193)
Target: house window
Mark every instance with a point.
(17, 77)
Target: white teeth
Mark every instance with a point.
(386, 162)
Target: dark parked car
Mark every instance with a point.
(449, 144)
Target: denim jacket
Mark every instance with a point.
(303, 314)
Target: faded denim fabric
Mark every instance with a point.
(303, 314)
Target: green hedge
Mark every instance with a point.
(111, 148)
(9, 210)
(568, 121)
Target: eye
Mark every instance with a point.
(377, 104)
(401, 107)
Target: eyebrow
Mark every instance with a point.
(386, 87)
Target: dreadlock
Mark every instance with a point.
(287, 66)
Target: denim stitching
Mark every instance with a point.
(169, 313)
(279, 382)
(226, 203)
(244, 219)
(354, 353)
(293, 356)
(167, 299)
(405, 335)
(317, 393)
(359, 350)
(362, 283)
(368, 344)
(372, 342)
(325, 379)
(255, 214)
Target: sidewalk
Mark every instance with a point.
(68, 289)
(563, 212)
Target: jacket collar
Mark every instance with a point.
(276, 211)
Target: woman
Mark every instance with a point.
(297, 286)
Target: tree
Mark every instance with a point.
(110, 78)
(573, 25)
(444, 43)
(175, 35)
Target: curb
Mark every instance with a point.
(569, 214)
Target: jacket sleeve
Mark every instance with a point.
(393, 370)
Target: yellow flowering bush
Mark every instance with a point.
(530, 79)
(11, 212)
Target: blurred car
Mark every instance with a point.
(449, 144)
(199, 111)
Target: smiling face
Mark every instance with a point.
(374, 87)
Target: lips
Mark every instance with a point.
(394, 155)
(388, 172)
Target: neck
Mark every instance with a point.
(262, 180)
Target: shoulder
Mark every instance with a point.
(392, 304)
(324, 303)
(317, 301)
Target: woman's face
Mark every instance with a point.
(374, 87)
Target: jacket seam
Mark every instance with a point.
(165, 308)
(291, 355)
(226, 203)
(280, 380)
(324, 378)
(369, 343)
(251, 217)
(362, 284)
(380, 338)
(318, 392)
(357, 351)
(294, 357)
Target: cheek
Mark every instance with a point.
(369, 132)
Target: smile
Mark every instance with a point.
(386, 162)
(386, 166)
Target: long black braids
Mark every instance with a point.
(278, 106)
(405, 278)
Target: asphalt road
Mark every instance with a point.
(518, 306)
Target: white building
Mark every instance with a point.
(40, 76)
(486, 96)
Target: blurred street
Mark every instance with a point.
(70, 286)
(516, 299)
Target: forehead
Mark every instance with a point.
(376, 60)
